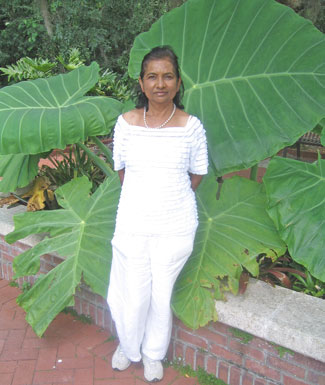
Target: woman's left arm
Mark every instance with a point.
(195, 180)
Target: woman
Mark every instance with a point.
(160, 154)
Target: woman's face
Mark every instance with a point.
(160, 83)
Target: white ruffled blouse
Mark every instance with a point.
(156, 197)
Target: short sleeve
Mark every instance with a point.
(199, 150)
(119, 146)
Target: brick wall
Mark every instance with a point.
(216, 348)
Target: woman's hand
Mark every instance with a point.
(195, 180)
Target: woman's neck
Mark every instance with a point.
(157, 110)
(158, 113)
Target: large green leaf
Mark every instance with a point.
(253, 70)
(39, 115)
(81, 233)
(233, 231)
(17, 171)
(295, 191)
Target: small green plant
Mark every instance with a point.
(243, 336)
(275, 271)
(24, 287)
(70, 165)
(207, 379)
(113, 85)
(86, 319)
(309, 285)
(74, 61)
(27, 68)
(203, 377)
(290, 274)
(282, 350)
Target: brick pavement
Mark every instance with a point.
(69, 353)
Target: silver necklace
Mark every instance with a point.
(163, 124)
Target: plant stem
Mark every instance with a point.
(253, 174)
(99, 162)
(104, 149)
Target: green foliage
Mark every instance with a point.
(80, 232)
(43, 114)
(102, 30)
(125, 19)
(290, 274)
(243, 336)
(17, 170)
(27, 68)
(85, 319)
(109, 83)
(13, 283)
(203, 377)
(74, 60)
(282, 350)
(22, 32)
(254, 72)
(295, 192)
(115, 86)
(79, 27)
(309, 285)
(24, 287)
(232, 233)
(70, 165)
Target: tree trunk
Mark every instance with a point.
(43, 6)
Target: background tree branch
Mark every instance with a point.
(43, 6)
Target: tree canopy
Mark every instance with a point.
(102, 30)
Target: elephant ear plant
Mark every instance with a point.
(17, 170)
(232, 232)
(254, 73)
(80, 232)
(297, 206)
(35, 117)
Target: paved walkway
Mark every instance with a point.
(70, 352)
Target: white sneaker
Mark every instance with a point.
(120, 360)
(153, 369)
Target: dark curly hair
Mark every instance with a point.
(161, 52)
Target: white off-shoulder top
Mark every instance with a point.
(156, 197)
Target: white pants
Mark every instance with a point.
(144, 270)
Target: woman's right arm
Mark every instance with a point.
(119, 150)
